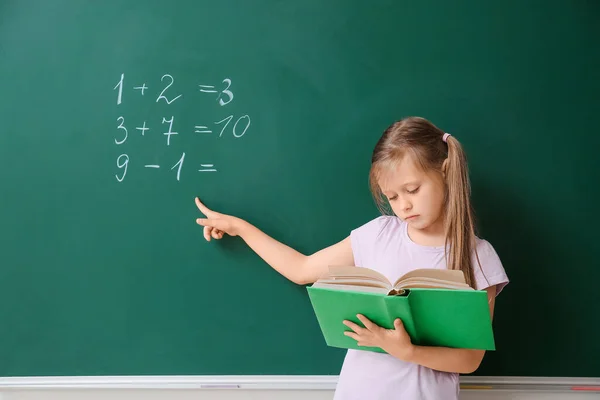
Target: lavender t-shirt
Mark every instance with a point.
(383, 244)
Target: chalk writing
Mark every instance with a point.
(121, 165)
(180, 164)
(170, 132)
(228, 119)
(141, 88)
(207, 89)
(226, 92)
(168, 91)
(201, 129)
(121, 120)
(246, 118)
(225, 95)
(120, 86)
(162, 96)
(143, 128)
(207, 168)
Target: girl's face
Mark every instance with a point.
(416, 196)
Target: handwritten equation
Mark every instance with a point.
(236, 125)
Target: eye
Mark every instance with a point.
(393, 198)
(414, 190)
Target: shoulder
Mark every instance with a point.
(488, 268)
(364, 238)
(384, 224)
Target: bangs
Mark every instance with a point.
(383, 169)
(380, 174)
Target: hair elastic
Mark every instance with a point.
(445, 137)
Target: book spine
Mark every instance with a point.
(399, 307)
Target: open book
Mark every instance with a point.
(367, 280)
(436, 306)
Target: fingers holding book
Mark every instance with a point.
(394, 341)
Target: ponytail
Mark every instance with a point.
(459, 219)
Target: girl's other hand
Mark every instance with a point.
(395, 342)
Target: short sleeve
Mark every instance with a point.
(363, 238)
(491, 272)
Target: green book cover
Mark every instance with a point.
(432, 317)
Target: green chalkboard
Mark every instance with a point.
(115, 115)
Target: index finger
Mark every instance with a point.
(366, 322)
(203, 209)
(356, 328)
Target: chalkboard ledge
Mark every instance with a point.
(283, 382)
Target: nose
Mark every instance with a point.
(405, 204)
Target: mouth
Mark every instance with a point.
(411, 217)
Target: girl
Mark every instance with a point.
(421, 173)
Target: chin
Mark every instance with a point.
(420, 225)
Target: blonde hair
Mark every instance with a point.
(422, 140)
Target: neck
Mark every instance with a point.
(433, 235)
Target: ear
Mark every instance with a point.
(444, 168)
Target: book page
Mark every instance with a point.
(455, 276)
(431, 283)
(357, 273)
(352, 288)
(355, 281)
